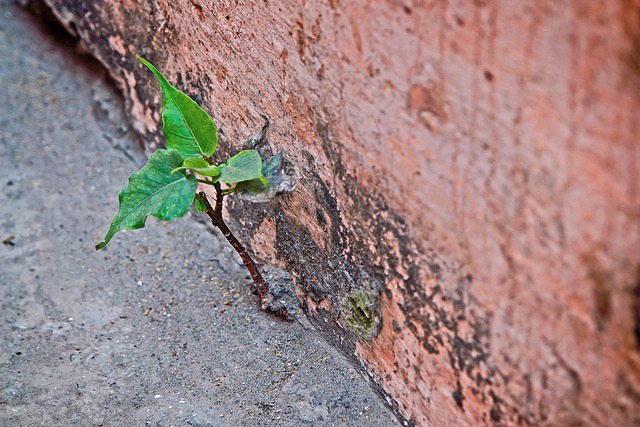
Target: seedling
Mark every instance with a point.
(165, 189)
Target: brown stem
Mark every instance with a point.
(219, 197)
(215, 214)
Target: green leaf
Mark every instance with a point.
(200, 206)
(187, 127)
(196, 163)
(279, 182)
(244, 166)
(201, 166)
(155, 191)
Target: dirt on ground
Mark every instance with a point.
(161, 328)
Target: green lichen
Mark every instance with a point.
(362, 314)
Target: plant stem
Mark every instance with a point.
(215, 214)
(227, 191)
(219, 198)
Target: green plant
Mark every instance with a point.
(165, 189)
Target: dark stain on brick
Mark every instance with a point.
(435, 268)
(458, 397)
(636, 308)
(601, 289)
(495, 414)
(488, 76)
(322, 220)
(299, 38)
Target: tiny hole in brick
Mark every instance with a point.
(488, 75)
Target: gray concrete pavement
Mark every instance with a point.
(160, 328)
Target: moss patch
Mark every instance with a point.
(362, 314)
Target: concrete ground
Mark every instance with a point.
(160, 328)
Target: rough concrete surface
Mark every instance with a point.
(159, 329)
